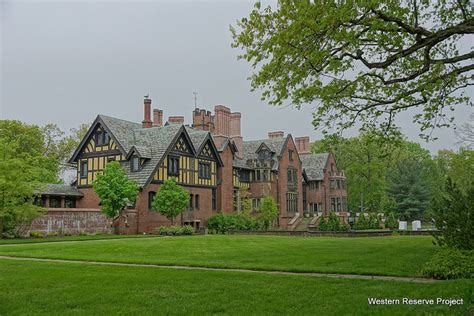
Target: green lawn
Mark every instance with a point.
(399, 256)
(40, 288)
(67, 238)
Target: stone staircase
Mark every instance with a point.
(303, 224)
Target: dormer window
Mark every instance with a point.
(290, 155)
(134, 164)
(263, 154)
(101, 138)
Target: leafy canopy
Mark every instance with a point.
(361, 61)
(170, 200)
(115, 190)
(21, 176)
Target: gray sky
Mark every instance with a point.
(65, 62)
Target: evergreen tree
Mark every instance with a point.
(410, 188)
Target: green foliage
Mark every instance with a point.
(115, 190)
(23, 169)
(449, 263)
(362, 61)
(268, 211)
(36, 235)
(411, 187)
(222, 223)
(362, 223)
(454, 217)
(333, 222)
(373, 221)
(373, 163)
(323, 226)
(391, 221)
(170, 200)
(175, 230)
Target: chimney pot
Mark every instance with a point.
(302, 145)
(276, 134)
(176, 120)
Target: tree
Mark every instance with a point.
(115, 190)
(19, 181)
(454, 217)
(362, 61)
(411, 188)
(268, 211)
(170, 200)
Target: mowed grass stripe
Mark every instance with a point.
(63, 289)
(396, 256)
(176, 267)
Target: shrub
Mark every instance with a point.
(373, 221)
(362, 222)
(333, 224)
(36, 235)
(391, 221)
(221, 223)
(450, 263)
(53, 234)
(322, 224)
(175, 230)
(82, 233)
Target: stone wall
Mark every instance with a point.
(71, 221)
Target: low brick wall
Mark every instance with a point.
(71, 221)
(353, 233)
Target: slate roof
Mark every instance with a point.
(314, 164)
(60, 189)
(197, 136)
(276, 145)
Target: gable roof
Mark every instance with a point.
(314, 164)
(152, 143)
(251, 149)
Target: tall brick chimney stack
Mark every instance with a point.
(235, 133)
(302, 145)
(147, 123)
(222, 120)
(157, 117)
(176, 120)
(276, 134)
(203, 120)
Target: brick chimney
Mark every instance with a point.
(147, 123)
(222, 120)
(176, 120)
(235, 133)
(276, 134)
(203, 120)
(157, 117)
(302, 145)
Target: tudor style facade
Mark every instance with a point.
(212, 161)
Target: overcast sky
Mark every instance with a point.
(65, 62)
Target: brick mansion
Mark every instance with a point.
(209, 158)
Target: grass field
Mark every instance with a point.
(399, 256)
(67, 238)
(85, 289)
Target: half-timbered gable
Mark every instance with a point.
(96, 149)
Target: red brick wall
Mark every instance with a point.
(149, 220)
(284, 163)
(225, 191)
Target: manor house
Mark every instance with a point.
(209, 158)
